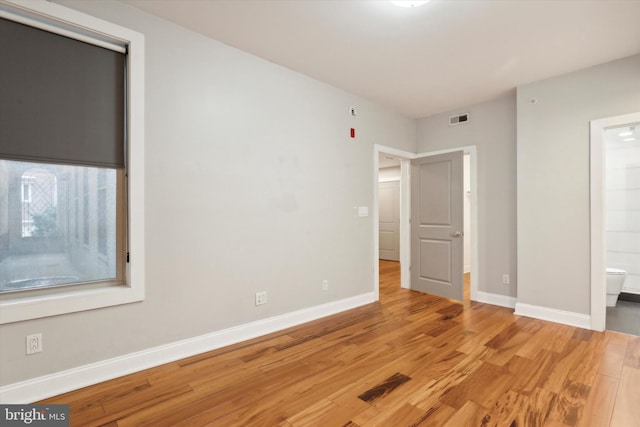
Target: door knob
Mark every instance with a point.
(456, 234)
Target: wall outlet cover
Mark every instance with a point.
(261, 298)
(34, 343)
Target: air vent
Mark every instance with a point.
(457, 120)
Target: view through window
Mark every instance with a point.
(57, 225)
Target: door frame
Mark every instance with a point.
(597, 210)
(405, 205)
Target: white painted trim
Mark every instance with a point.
(67, 302)
(468, 149)
(553, 315)
(394, 179)
(404, 215)
(376, 224)
(475, 225)
(405, 226)
(597, 208)
(73, 379)
(377, 148)
(598, 256)
(496, 299)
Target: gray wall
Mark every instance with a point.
(553, 178)
(251, 183)
(492, 128)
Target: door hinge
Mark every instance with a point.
(127, 257)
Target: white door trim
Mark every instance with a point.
(389, 180)
(597, 193)
(405, 228)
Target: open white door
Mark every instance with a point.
(437, 252)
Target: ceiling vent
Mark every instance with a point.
(457, 120)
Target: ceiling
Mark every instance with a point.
(419, 61)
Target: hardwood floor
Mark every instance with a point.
(409, 360)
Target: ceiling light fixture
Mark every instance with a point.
(409, 3)
(625, 133)
(629, 139)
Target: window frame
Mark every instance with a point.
(68, 22)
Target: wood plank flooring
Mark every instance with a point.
(409, 360)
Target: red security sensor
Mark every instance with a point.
(353, 133)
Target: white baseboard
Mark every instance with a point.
(553, 315)
(61, 382)
(496, 299)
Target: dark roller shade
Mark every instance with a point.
(61, 100)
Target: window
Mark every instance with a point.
(41, 250)
(68, 132)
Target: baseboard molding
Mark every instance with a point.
(553, 315)
(496, 299)
(61, 382)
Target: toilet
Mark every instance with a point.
(615, 280)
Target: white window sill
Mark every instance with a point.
(67, 302)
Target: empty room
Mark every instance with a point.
(319, 213)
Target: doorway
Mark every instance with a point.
(398, 164)
(615, 202)
(609, 227)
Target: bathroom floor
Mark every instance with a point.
(624, 317)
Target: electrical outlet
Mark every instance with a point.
(325, 285)
(34, 343)
(505, 279)
(261, 298)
